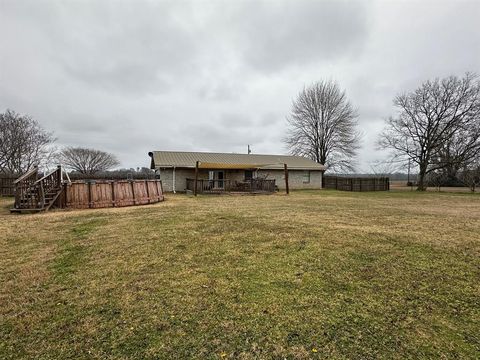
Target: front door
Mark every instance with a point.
(220, 179)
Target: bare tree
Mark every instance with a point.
(86, 161)
(460, 151)
(322, 126)
(430, 117)
(471, 175)
(437, 179)
(23, 143)
(383, 168)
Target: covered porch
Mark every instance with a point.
(217, 178)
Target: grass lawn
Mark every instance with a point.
(398, 185)
(320, 274)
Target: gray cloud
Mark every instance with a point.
(302, 32)
(132, 76)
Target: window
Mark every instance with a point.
(306, 177)
(248, 174)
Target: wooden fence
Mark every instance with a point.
(356, 183)
(102, 194)
(113, 175)
(7, 187)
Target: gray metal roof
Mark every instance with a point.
(181, 159)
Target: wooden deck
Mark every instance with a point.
(36, 195)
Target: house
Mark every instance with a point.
(234, 172)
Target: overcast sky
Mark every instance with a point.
(129, 77)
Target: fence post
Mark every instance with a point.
(90, 205)
(17, 191)
(196, 179)
(148, 192)
(287, 190)
(133, 192)
(114, 202)
(64, 197)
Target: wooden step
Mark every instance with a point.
(33, 210)
(30, 203)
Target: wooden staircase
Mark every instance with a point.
(36, 195)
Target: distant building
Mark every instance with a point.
(223, 171)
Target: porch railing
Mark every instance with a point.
(255, 185)
(227, 185)
(212, 186)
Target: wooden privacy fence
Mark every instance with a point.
(7, 186)
(356, 183)
(113, 175)
(102, 194)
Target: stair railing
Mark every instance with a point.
(66, 174)
(32, 193)
(52, 182)
(24, 187)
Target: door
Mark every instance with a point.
(220, 178)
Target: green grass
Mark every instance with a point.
(317, 274)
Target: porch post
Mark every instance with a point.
(196, 179)
(174, 180)
(286, 179)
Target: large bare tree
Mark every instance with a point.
(439, 115)
(470, 175)
(323, 126)
(460, 151)
(87, 161)
(23, 143)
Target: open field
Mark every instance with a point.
(317, 274)
(402, 186)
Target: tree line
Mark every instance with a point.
(24, 144)
(436, 129)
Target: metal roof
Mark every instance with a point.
(181, 159)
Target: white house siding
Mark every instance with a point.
(295, 178)
(166, 175)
